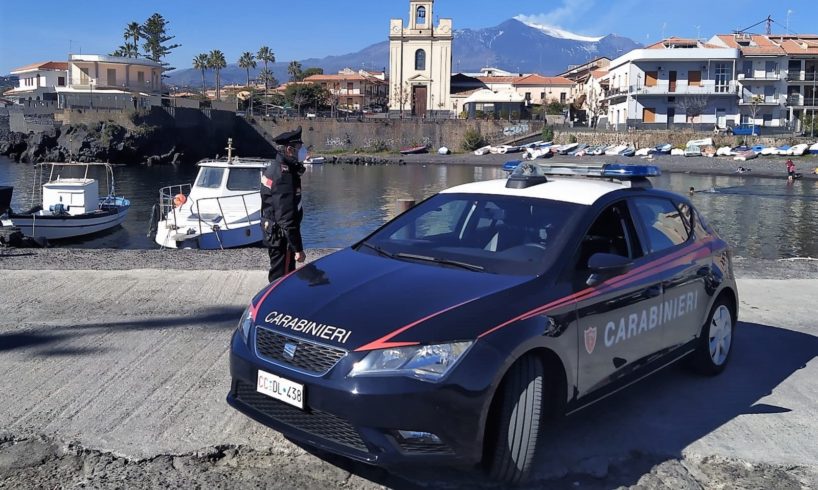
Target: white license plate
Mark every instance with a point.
(281, 389)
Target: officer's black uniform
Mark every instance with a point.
(281, 211)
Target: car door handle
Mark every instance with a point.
(654, 291)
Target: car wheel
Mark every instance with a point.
(516, 424)
(716, 340)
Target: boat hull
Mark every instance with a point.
(60, 227)
(209, 240)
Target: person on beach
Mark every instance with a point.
(281, 211)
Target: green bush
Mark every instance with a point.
(547, 133)
(473, 140)
(572, 139)
(377, 146)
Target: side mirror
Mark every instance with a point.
(604, 266)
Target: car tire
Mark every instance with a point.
(516, 423)
(715, 342)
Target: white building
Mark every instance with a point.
(675, 81)
(420, 62)
(39, 81)
(110, 81)
(354, 90)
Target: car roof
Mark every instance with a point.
(577, 190)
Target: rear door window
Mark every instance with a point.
(244, 179)
(662, 223)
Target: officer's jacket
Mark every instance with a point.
(281, 211)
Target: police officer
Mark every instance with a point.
(281, 211)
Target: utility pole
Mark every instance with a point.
(769, 25)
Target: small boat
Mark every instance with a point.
(709, 151)
(71, 206)
(412, 150)
(315, 160)
(582, 147)
(798, 150)
(769, 150)
(678, 152)
(221, 209)
(641, 152)
(745, 155)
(664, 148)
(701, 143)
(693, 151)
(813, 149)
(483, 150)
(510, 165)
(534, 153)
(758, 148)
(724, 151)
(503, 149)
(615, 150)
(565, 149)
(627, 152)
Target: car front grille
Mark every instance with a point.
(309, 357)
(315, 422)
(424, 448)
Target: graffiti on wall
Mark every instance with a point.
(517, 129)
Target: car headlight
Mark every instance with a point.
(425, 362)
(245, 323)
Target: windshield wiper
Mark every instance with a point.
(379, 250)
(437, 260)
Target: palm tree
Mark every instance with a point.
(294, 69)
(247, 61)
(202, 62)
(133, 31)
(266, 55)
(216, 61)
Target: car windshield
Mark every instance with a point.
(488, 233)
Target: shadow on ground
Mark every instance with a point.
(624, 438)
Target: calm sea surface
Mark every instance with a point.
(760, 217)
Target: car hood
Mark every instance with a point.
(359, 301)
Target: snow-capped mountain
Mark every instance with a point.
(516, 46)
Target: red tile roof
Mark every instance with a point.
(43, 65)
(541, 80)
(761, 45)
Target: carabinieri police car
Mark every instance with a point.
(457, 330)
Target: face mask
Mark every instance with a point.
(302, 154)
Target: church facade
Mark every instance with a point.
(420, 63)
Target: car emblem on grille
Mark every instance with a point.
(289, 350)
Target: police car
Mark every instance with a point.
(456, 331)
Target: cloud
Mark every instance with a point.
(563, 16)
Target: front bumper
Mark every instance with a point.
(359, 417)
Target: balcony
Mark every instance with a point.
(802, 77)
(708, 87)
(760, 77)
(795, 99)
(749, 98)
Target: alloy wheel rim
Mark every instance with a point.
(720, 335)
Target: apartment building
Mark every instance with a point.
(675, 81)
(354, 91)
(802, 76)
(39, 81)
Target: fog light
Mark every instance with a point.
(420, 437)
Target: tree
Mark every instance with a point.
(401, 95)
(216, 61)
(693, 106)
(266, 55)
(154, 31)
(595, 103)
(266, 76)
(126, 50)
(312, 71)
(755, 102)
(306, 94)
(294, 69)
(247, 61)
(133, 32)
(202, 62)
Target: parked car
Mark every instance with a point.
(456, 331)
(745, 130)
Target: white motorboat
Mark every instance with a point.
(70, 205)
(798, 150)
(221, 209)
(813, 149)
(615, 150)
(483, 150)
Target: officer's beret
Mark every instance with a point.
(289, 138)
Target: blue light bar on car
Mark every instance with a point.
(620, 170)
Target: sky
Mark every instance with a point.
(47, 30)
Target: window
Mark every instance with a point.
(528, 96)
(244, 179)
(211, 178)
(350, 86)
(694, 78)
(722, 77)
(650, 78)
(61, 81)
(771, 69)
(662, 222)
(140, 77)
(613, 233)
(500, 234)
(420, 59)
(562, 97)
(111, 72)
(421, 16)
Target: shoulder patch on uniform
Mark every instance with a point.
(266, 182)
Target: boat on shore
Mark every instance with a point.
(413, 150)
(221, 209)
(70, 205)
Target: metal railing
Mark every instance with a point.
(168, 206)
(806, 77)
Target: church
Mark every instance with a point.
(420, 63)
